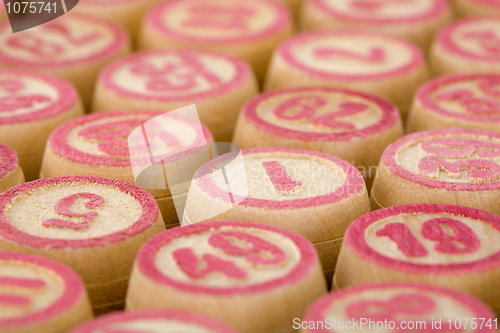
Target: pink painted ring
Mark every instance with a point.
(58, 140)
(319, 310)
(389, 160)
(74, 291)
(424, 96)
(148, 216)
(242, 69)
(354, 239)
(68, 97)
(154, 18)
(146, 259)
(174, 315)
(353, 185)
(8, 160)
(445, 39)
(120, 38)
(440, 7)
(390, 116)
(285, 50)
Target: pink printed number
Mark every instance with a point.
(63, 206)
(452, 237)
(180, 76)
(466, 98)
(487, 39)
(478, 170)
(24, 283)
(280, 177)
(461, 148)
(259, 251)
(210, 16)
(376, 54)
(305, 107)
(188, 262)
(410, 304)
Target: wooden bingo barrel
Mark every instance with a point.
(467, 46)
(397, 307)
(94, 225)
(248, 30)
(166, 80)
(451, 246)
(127, 13)
(310, 193)
(74, 47)
(98, 145)
(417, 21)
(374, 63)
(40, 295)
(451, 166)
(457, 101)
(11, 173)
(31, 106)
(477, 7)
(249, 270)
(353, 126)
(154, 321)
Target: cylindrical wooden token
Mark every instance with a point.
(477, 7)
(248, 30)
(299, 190)
(74, 47)
(351, 125)
(397, 307)
(11, 173)
(447, 245)
(127, 13)
(94, 225)
(165, 80)
(457, 101)
(98, 145)
(40, 295)
(451, 166)
(154, 321)
(31, 106)
(417, 21)
(254, 277)
(467, 46)
(374, 63)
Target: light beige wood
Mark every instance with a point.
(257, 50)
(465, 8)
(418, 31)
(248, 312)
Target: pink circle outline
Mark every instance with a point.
(242, 69)
(68, 97)
(58, 140)
(444, 39)
(146, 258)
(354, 179)
(439, 8)
(389, 160)
(317, 312)
(147, 218)
(8, 160)
(73, 292)
(154, 19)
(424, 96)
(120, 39)
(285, 50)
(355, 239)
(390, 116)
(176, 315)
